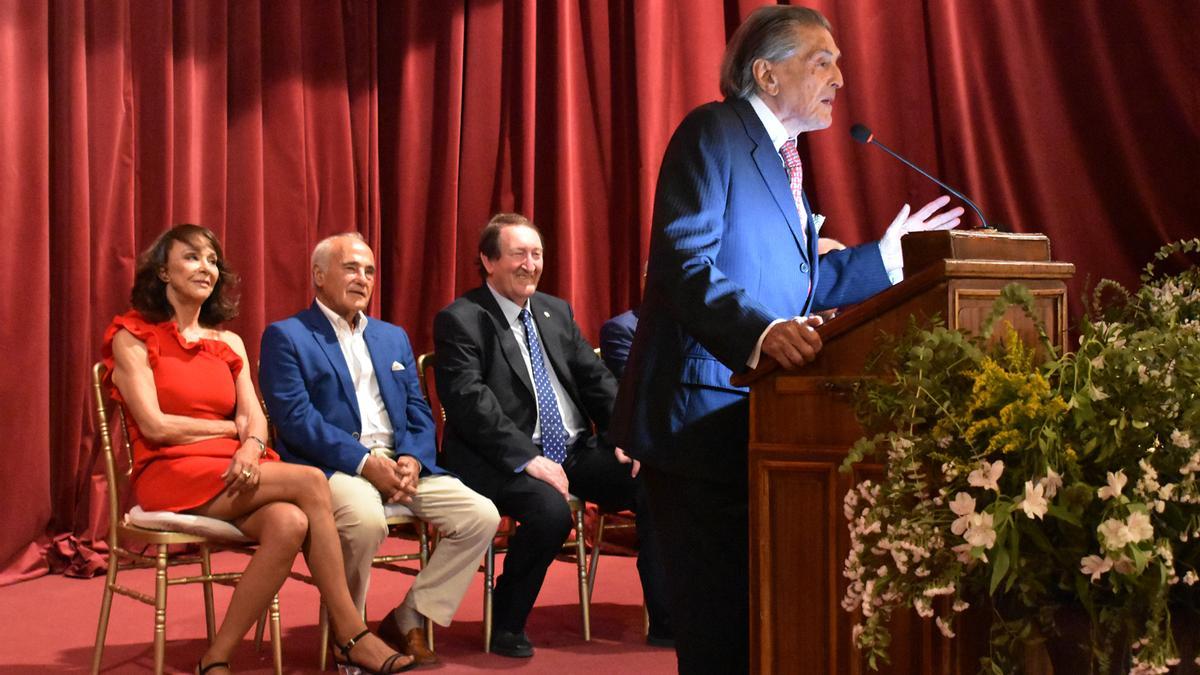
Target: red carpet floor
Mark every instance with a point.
(49, 624)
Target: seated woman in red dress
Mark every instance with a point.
(197, 430)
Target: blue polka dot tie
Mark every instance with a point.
(554, 433)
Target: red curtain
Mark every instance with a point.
(276, 124)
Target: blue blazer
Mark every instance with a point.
(616, 337)
(728, 255)
(306, 385)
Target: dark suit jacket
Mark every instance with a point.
(306, 384)
(728, 254)
(484, 386)
(616, 337)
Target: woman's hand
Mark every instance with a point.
(242, 473)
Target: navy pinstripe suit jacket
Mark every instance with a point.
(728, 255)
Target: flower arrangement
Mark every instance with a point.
(1026, 481)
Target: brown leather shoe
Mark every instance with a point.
(413, 643)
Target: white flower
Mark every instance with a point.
(944, 627)
(1034, 502)
(980, 533)
(1182, 439)
(1116, 483)
(1095, 566)
(924, 609)
(963, 553)
(1098, 362)
(987, 475)
(1096, 393)
(1113, 533)
(935, 591)
(1124, 565)
(963, 506)
(1190, 578)
(1051, 482)
(1138, 527)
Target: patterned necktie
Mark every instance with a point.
(791, 158)
(554, 433)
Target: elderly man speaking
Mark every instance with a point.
(735, 274)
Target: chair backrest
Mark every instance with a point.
(117, 478)
(425, 366)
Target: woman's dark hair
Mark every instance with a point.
(149, 294)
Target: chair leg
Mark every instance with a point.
(595, 556)
(160, 609)
(110, 580)
(489, 568)
(276, 636)
(584, 593)
(423, 540)
(323, 650)
(210, 614)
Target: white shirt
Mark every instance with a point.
(776, 131)
(893, 261)
(572, 419)
(377, 433)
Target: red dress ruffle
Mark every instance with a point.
(193, 379)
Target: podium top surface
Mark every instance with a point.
(922, 249)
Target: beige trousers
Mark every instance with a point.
(466, 520)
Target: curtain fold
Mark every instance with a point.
(276, 124)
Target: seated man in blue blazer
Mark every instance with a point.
(343, 394)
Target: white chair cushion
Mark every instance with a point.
(213, 528)
(396, 511)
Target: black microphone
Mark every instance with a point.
(863, 135)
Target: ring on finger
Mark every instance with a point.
(246, 473)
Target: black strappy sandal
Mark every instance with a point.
(385, 669)
(201, 669)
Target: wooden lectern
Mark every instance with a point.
(802, 424)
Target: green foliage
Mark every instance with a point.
(1030, 480)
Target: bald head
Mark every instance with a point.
(343, 273)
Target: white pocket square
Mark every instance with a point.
(396, 365)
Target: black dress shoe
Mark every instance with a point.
(660, 634)
(660, 640)
(514, 645)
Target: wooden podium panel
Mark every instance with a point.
(802, 424)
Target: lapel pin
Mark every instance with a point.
(396, 365)
(546, 314)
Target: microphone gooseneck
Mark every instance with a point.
(862, 134)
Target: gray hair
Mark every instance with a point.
(324, 248)
(768, 33)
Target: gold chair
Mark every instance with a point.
(425, 366)
(160, 530)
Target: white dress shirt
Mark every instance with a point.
(572, 418)
(377, 434)
(893, 261)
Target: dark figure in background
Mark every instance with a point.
(734, 274)
(616, 337)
